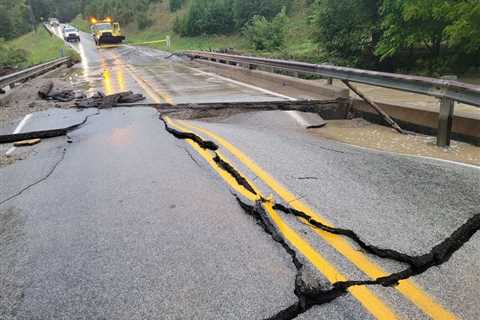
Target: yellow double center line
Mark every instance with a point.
(365, 296)
(407, 288)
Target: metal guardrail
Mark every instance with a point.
(448, 91)
(23, 75)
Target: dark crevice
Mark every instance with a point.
(441, 253)
(234, 173)
(204, 144)
(43, 134)
(380, 252)
(307, 295)
(222, 164)
(50, 172)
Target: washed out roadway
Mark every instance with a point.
(131, 223)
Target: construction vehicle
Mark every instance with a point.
(106, 31)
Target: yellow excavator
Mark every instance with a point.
(106, 31)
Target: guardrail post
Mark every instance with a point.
(445, 120)
(329, 81)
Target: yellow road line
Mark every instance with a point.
(364, 295)
(151, 91)
(408, 288)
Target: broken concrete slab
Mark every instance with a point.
(101, 101)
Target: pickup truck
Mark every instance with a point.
(70, 34)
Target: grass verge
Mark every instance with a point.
(40, 46)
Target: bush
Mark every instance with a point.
(12, 57)
(207, 17)
(267, 35)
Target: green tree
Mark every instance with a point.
(244, 10)
(414, 24)
(348, 30)
(464, 31)
(11, 57)
(207, 17)
(267, 35)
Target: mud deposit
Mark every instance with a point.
(365, 134)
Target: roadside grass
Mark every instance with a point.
(295, 48)
(40, 46)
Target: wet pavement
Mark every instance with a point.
(128, 222)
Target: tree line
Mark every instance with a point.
(19, 17)
(433, 35)
(438, 35)
(223, 16)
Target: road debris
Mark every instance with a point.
(48, 92)
(24, 143)
(101, 101)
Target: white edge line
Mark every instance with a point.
(243, 84)
(294, 114)
(462, 164)
(17, 130)
(296, 117)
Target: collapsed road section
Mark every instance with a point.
(318, 295)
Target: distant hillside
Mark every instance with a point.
(297, 43)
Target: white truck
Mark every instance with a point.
(70, 34)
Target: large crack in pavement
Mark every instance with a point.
(377, 251)
(438, 255)
(310, 295)
(234, 173)
(204, 144)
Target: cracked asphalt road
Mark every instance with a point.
(131, 223)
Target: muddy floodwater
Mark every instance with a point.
(362, 133)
